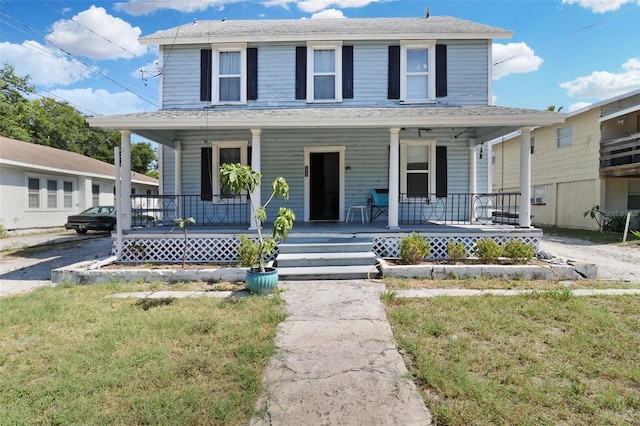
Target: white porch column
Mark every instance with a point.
(177, 163)
(125, 184)
(472, 178)
(524, 220)
(394, 176)
(255, 165)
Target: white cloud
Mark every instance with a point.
(146, 7)
(318, 5)
(96, 34)
(45, 66)
(605, 84)
(101, 101)
(600, 6)
(578, 105)
(328, 13)
(513, 58)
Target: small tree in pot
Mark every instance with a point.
(237, 178)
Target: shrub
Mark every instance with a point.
(247, 252)
(414, 248)
(615, 221)
(3, 231)
(519, 251)
(456, 251)
(488, 250)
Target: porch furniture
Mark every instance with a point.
(361, 209)
(379, 202)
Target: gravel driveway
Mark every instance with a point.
(30, 268)
(615, 262)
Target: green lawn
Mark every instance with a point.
(527, 360)
(484, 283)
(70, 355)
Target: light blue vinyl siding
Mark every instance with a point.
(467, 75)
(366, 153)
(181, 77)
(467, 72)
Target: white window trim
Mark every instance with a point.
(215, 84)
(430, 45)
(311, 47)
(431, 144)
(43, 193)
(215, 152)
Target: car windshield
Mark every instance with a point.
(99, 210)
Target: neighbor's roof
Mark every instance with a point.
(43, 157)
(293, 30)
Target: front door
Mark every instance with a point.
(324, 186)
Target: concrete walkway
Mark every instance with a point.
(336, 362)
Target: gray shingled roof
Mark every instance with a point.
(477, 115)
(45, 156)
(302, 29)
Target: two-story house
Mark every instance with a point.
(593, 158)
(338, 107)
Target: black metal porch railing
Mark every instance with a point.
(460, 208)
(162, 210)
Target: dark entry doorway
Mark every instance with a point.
(324, 186)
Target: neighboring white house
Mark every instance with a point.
(40, 186)
(591, 158)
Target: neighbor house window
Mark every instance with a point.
(532, 145)
(324, 78)
(417, 82)
(633, 195)
(493, 156)
(68, 194)
(52, 194)
(538, 194)
(34, 193)
(95, 195)
(229, 74)
(227, 153)
(417, 171)
(565, 136)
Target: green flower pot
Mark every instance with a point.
(261, 283)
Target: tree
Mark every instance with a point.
(142, 157)
(15, 109)
(46, 121)
(552, 108)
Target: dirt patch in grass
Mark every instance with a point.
(187, 266)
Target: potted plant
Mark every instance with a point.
(237, 178)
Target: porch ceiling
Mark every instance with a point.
(489, 120)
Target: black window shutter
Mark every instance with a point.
(252, 73)
(206, 170)
(347, 72)
(393, 87)
(441, 171)
(301, 72)
(441, 70)
(205, 74)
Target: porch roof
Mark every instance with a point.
(159, 125)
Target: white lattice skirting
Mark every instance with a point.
(225, 248)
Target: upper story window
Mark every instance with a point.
(324, 78)
(230, 75)
(565, 136)
(417, 76)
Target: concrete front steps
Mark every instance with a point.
(326, 259)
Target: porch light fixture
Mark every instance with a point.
(348, 169)
(423, 129)
(621, 120)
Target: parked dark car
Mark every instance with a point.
(99, 218)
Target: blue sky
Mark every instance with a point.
(568, 53)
